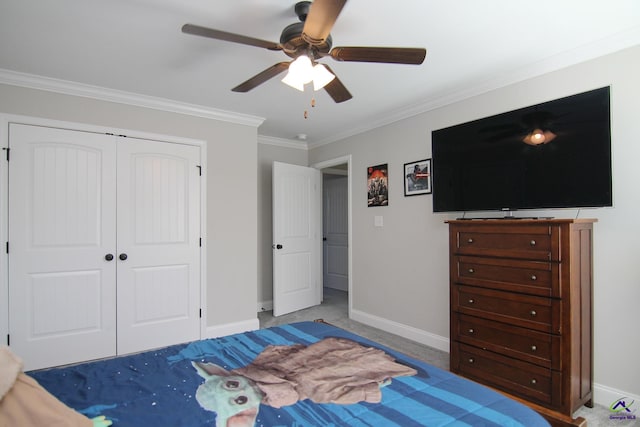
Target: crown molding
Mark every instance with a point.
(283, 142)
(66, 87)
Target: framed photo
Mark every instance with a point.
(417, 177)
(377, 185)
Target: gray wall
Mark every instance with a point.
(400, 271)
(268, 152)
(231, 242)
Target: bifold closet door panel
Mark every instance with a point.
(62, 227)
(158, 244)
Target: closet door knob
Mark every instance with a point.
(122, 256)
(108, 257)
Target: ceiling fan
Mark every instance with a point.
(311, 38)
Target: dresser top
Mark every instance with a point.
(520, 221)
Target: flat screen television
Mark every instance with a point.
(551, 155)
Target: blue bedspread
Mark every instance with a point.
(157, 388)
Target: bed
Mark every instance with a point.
(166, 387)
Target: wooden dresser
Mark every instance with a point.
(521, 309)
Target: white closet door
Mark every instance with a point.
(159, 233)
(62, 223)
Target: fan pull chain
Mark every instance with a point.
(313, 105)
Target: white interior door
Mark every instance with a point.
(336, 232)
(62, 216)
(297, 238)
(159, 237)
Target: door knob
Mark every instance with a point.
(278, 246)
(122, 256)
(108, 257)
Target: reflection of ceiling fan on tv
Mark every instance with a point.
(306, 42)
(533, 128)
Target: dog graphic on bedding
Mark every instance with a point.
(333, 370)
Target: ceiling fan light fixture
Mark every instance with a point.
(300, 73)
(538, 137)
(321, 76)
(292, 81)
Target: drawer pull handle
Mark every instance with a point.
(534, 277)
(533, 381)
(471, 360)
(471, 271)
(471, 330)
(532, 243)
(471, 301)
(534, 348)
(533, 313)
(469, 240)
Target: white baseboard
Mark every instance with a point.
(231, 328)
(409, 332)
(606, 396)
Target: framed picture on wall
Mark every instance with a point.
(377, 185)
(417, 177)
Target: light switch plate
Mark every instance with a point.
(378, 221)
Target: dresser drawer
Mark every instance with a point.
(540, 348)
(527, 311)
(530, 277)
(513, 376)
(535, 242)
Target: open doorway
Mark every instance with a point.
(334, 306)
(335, 232)
(336, 221)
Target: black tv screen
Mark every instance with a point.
(552, 155)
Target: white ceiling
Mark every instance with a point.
(136, 46)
